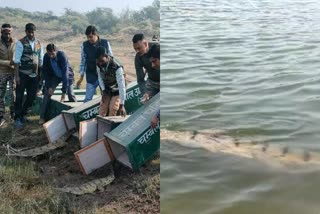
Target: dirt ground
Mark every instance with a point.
(130, 192)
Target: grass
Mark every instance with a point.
(148, 187)
(23, 191)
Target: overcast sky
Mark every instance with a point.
(57, 6)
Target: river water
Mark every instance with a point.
(251, 68)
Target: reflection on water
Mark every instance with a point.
(251, 68)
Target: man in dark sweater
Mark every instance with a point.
(88, 60)
(143, 66)
(56, 69)
(154, 56)
(112, 83)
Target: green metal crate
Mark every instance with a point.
(89, 111)
(133, 96)
(55, 107)
(85, 111)
(107, 124)
(134, 142)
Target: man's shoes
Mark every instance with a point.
(18, 124)
(42, 121)
(2, 122)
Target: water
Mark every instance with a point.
(252, 68)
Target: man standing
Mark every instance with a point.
(28, 63)
(143, 66)
(88, 60)
(112, 83)
(57, 69)
(7, 48)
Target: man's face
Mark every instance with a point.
(92, 38)
(6, 36)
(140, 47)
(30, 34)
(103, 60)
(52, 54)
(155, 62)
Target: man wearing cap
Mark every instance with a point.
(88, 60)
(7, 48)
(143, 67)
(112, 83)
(28, 63)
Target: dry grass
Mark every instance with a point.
(27, 185)
(148, 187)
(23, 191)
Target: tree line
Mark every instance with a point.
(128, 21)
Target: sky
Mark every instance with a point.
(57, 6)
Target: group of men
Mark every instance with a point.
(21, 62)
(24, 66)
(104, 70)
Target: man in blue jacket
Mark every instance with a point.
(56, 69)
(88, 60)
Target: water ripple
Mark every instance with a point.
(248, 67)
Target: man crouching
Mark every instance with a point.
(56, 69)
(112, 83)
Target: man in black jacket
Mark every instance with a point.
(88, 60)
(154, 57)
(151, 86)
(56, 69)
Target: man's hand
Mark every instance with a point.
(50, 91)
(122, 110)
(145, 98)
(154, 121)
(63, 97)
(79, 82)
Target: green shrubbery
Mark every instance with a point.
(147, 19)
